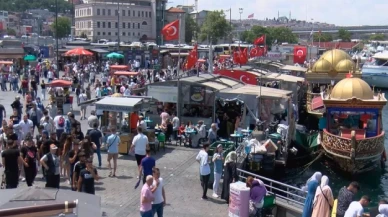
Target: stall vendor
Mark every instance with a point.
(134, 119)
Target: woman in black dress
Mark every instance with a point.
(230, 174)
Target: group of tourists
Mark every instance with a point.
(320, 201)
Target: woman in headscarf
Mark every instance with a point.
(311, 187)
(383, 210)
(230, 174)
(323, 200)
(315, 177)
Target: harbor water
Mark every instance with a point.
(373, 183)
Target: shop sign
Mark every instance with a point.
(197, 94)
(163, 93)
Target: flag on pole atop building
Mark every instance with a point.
(251, 16)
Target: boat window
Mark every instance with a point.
(381, 62)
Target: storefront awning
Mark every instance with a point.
(99, 50)
(118, 104)
(294, 68)
(258, 91)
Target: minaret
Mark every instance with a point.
(278, 15)
(290, 16)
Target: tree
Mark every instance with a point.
(215, 27)
(344, 35)
(279, 34)
(11, 32)
(322, 37)
(64, 26)
(190, 28)
(377, 37)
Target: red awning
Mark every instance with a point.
(60, 83)
(126, 73)
(317, 103)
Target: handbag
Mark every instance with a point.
(327, 200)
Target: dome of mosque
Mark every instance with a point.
(345, 66)
(322, 66)
(335, 56)
(349, 88)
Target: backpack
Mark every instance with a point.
(61, 121)
(68, 126)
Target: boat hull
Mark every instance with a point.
(354, 156)
(375, 75)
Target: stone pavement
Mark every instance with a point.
(178, 168)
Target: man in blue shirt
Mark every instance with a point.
(113, 143)
(146, 166)
(96, 137)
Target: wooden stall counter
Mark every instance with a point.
(125, 142)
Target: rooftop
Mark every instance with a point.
(175, 10)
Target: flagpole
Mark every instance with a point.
(179, 46)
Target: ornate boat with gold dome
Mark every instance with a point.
(353, 134)
(330, 68)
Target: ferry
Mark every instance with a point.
(375, 73)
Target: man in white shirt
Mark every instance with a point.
(175, 124)
(356, 208)
(82, 98)
(50, 76)
(60, 123)
(139, 145)
(142, 124)
(26, 126)
(204, 168)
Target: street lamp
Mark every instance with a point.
(240, 10)
(118, 25)
(56, 33)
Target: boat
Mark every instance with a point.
(353, 135)
(375, 73)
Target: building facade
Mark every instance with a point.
(124, 20)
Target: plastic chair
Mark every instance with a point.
(162, 141)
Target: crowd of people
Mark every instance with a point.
(320, 201)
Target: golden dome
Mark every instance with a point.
(335, 56)
(322, 66)
(349, 88)
(345, 66)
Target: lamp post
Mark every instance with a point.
(56, 33)
(118, 25)
(240, 10)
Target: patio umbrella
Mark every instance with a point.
(29, 58)
(78, 52)
(115, 55)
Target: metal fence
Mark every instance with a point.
(281, 190)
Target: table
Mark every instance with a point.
(236, 137)
(188, 134)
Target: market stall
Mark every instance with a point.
(114, 68)
(59, 97)
(122, 113)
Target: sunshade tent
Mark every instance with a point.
(119, 67)
(60, 83)
(78, 52)
(119, 104)
(88, 204)
(5, 62)
(115, 55)
(29, 58)
(126, 73)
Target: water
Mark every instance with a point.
(373, 183)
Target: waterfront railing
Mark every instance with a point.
(289, 194)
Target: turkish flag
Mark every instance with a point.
(171, 31)
(236, 57)
(243, 56)
(300, 53)
(265, 50)
(256, 52)
(192, 58)
(260, 40)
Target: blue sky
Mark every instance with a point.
(339, 12)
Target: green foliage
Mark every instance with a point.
(344, 35)
(281, 34)
(215, 26)
(323, 37)
(23, 5)
(64, 27)
(190, 29)
(11, 32)
(377, 37)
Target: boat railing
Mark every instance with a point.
(290, 194)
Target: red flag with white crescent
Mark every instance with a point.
(171, 31)
(300, 53)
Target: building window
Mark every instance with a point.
(133, 13)
(103, 24)
(98, 25)
(144, 23)
(108, 12)
(116, 33)
(146, 14)
(129, 13)
(123, 33)
(149, 14)
(116, 12)
(89, 24)
(103, 13)
(138, 34)
(138, 25)
(98, 33)
(133, 33)
(108, 33)
(123, 25)
(138, 14)
(98, 12)
(133, 25)
(123, 13)
(89, 12)
(116, 25)
(129, 25)
(142, 14)
(103, 33)
(109, 26)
